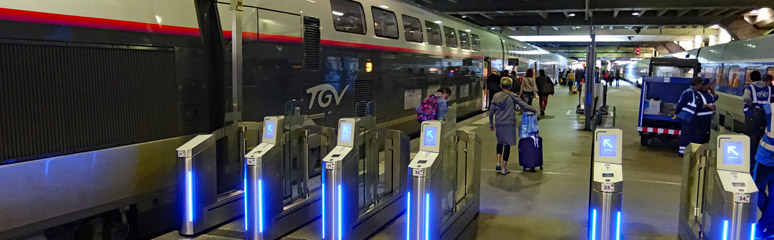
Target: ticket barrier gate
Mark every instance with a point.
(719, 196)
(437, 210)
(362, 193)
(606, 194)
(280, 199)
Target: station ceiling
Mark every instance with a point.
(507, 13)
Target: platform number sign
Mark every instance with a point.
(419, 172)
(330, 165)
(742, 197)
(608, 187)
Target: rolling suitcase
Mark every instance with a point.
(531, 153)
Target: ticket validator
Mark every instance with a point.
(343, 157)
(606, 186)
(731, 209)
(424, 211)
(256, 175)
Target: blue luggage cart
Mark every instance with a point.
(661, 125)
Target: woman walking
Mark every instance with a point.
(502, 120)
(529, 88)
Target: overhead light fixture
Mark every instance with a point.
(437, 22)
(715, 26)
(571, 14)
(635, 13)
(467, 30)
(338, 13)
(463, 16)
(384, 6)
(493, 28)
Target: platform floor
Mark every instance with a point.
(553, 204)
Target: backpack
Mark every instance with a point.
(427, 110)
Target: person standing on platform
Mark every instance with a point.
(434, 107)
(545, 88)
(570, 79)
(492, 86)
(502, 120)
(763, 174)
(755, 96)
(618, 77)
(686, 112)
(529, 89)
(704, 116)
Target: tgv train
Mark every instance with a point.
(97, 94)
(728, 66)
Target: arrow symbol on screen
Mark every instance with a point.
(732, 149)
(270, 129)
(429, 135)
(607, 143)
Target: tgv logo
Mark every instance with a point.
(324, 94)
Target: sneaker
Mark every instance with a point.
(498, 168)
(504, 171)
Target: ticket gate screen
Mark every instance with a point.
(731, 152)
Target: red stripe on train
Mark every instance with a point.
(103, 23)
(90, 22)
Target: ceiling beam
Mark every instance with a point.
(595, 5)
(566, 14)
(683, 12)
(704, 12)
(615, 13)
(600, 19)
(543, 14)
(720, 11)
(485, 16)
(642, 13)
(661, 12)
(734, 12)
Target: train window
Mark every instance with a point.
(412, 29)
(770, 71)
(721, 77)
(747, 79)
(477, 42)
(464, 40)
(433, 33)
(348, 16)
(385, 23)
(734, 76)
(451, 36)
(709, 73)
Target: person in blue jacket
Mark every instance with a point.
(686, 112)
(704, 115)
(763, 174)
(755, 96)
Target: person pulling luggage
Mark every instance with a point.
(502, 120)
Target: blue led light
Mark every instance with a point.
(618, 227)
(408, 215)
(427, 216)
(593, 224)
(338, 202)
(725, 230)
(189, 183)
(752, 232)
(245, 198)
(260, 205)
(324, 217)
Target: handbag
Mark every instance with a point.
(687, 113)
(548, 87)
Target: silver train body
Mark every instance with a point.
(97, 94)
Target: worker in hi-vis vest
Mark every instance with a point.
(686, 111)
(755, 96)
(763, 174)
(705, 113)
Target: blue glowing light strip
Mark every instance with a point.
(618, 227)
(752, 232)
(593, 224)
(408, 215)
(189, 183)
(260, 205)
(725, 230)
(244, 192)
(427, 216)
(338, 202)
(324, 217)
